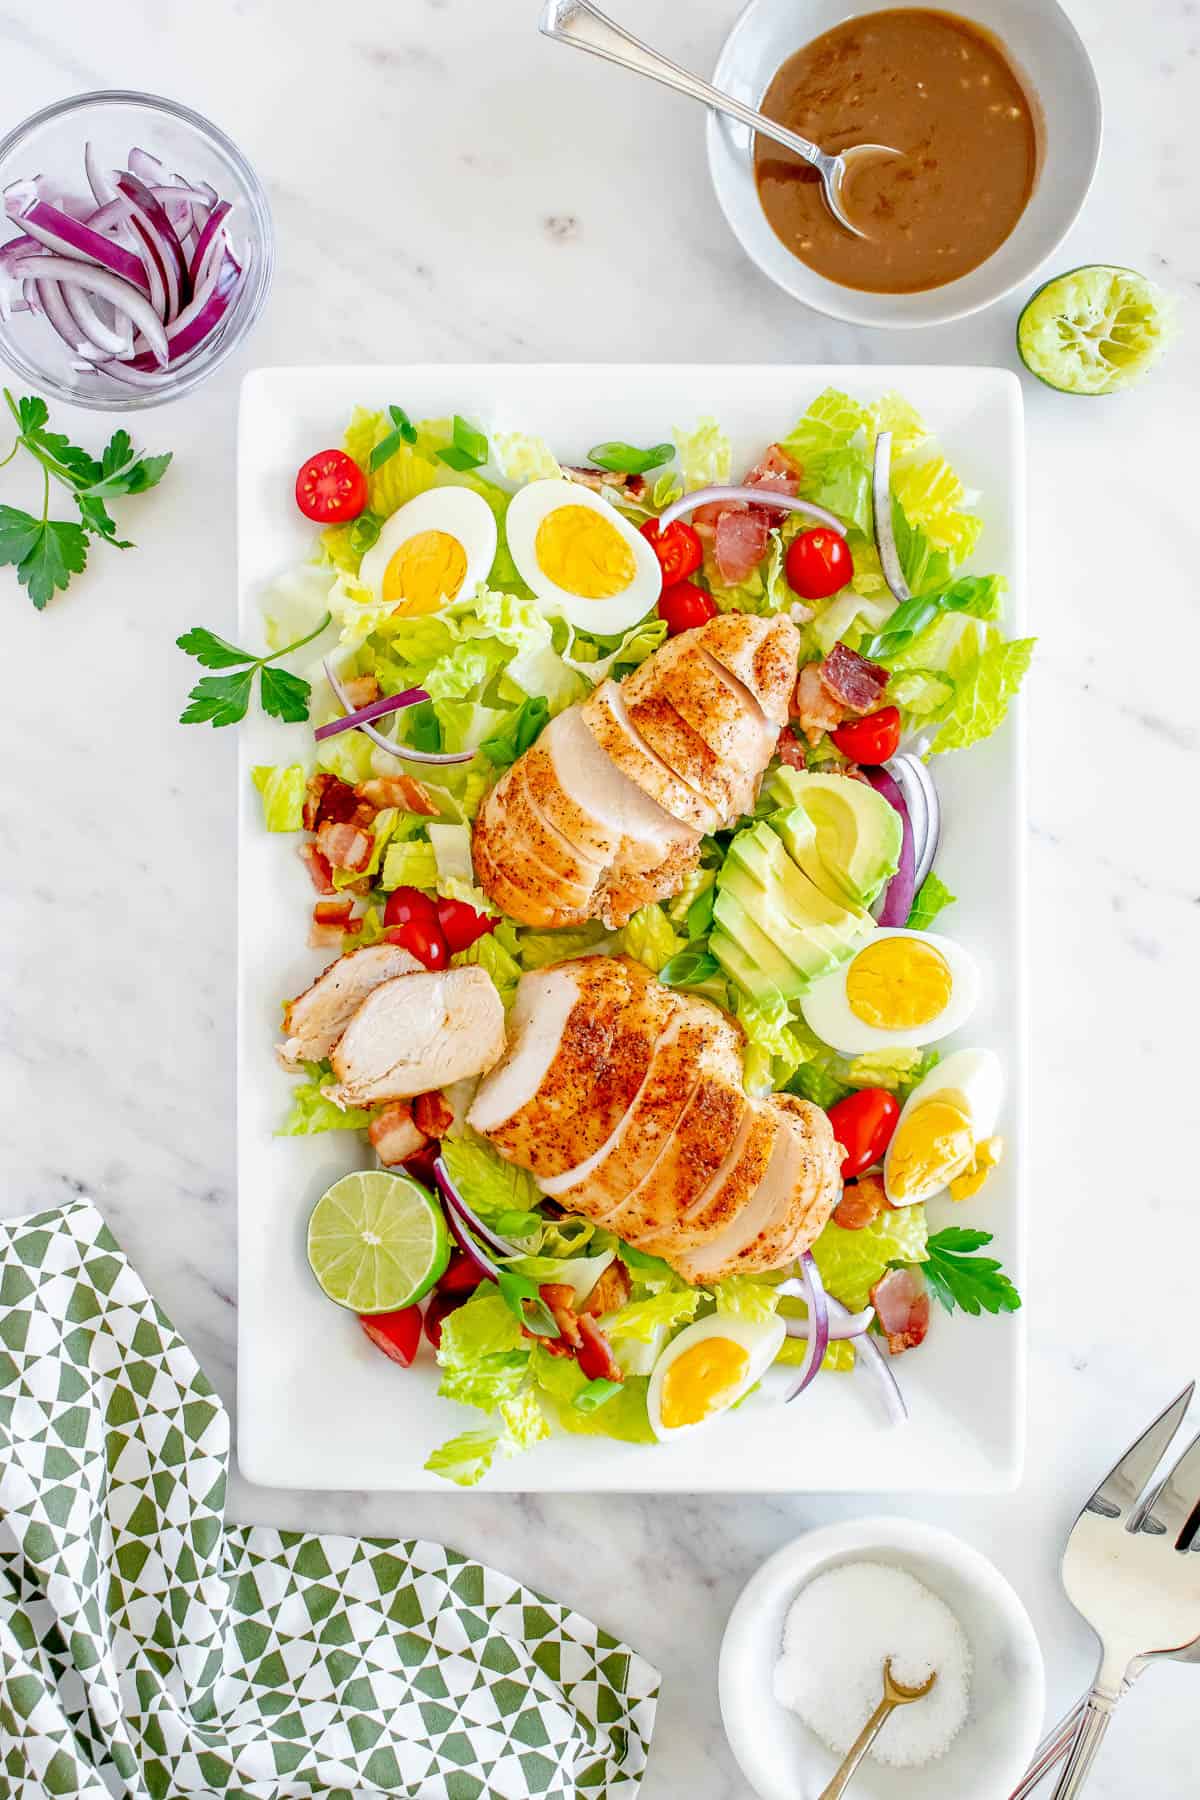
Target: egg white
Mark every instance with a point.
(529, 507)
(761, 1340)
(828, 1012)
(458, 512)
(974, 1080)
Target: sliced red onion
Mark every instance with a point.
(376, 710)
(108, 217)
(915, 799)
(918, 786)
(52, 304)
(848, 1325)
(65, 236)
(901, 889)
(881, 508)
(212, 225)
(450, 1194)
(879, 1363)
(103, 338)
(122, 294)
(100, 179)
(146, 167)
(817, 1302)
(767, 497)
(200, 318)
(403, 751)
(158, 240)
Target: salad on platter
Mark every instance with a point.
(622, 815)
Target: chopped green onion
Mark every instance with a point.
(627, 459)
(365, 531)
(596, 1394)
(469, 449)
(700, 912)
(405, 433)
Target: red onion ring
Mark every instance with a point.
(197, 321)
(769, 498)
(450, 1194)
(100, 180)
(879, 1363)
(901, 890)
(818, 1324)
(65, 236)
(917, 783)
(850, 1325)
(376, 710)
(436, 757)
(881, 510)
(211, 226)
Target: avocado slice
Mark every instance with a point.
(741, 966)
(788, 931)
(787, 958)
(849, 839)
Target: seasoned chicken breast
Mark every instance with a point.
(605, 716)
(711, 701)
(315, 1020)
(709, 1125)
(419, 1032)
(732, 1190)
(725, 786)
(520, 867)
(762, 654)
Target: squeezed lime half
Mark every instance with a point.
(377, 1242)
(1094, 330)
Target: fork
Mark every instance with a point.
(1127, 1571)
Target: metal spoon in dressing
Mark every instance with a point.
(894, 1694)
(585, 27)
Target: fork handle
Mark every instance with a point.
(1097, 1712)
(1051, 1750)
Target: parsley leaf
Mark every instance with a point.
(211, 651)
(960, 1278)
(46, 552)
(222, 699)
(283, 695)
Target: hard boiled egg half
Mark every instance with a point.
(902, 988)
(944, 1134)
(580, 557)
(706, 1370)
(439, 547)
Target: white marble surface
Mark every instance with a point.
(448, 186)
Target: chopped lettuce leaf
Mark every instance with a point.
(667, 489)
(522, 457)
(839, 1357)
(921, 694)
(745, 1297)
(648, 1271)
(833, 622)
(934, 896)
(282, 791)
(452, 854)
(312, 1112)
(624, 1417)
(982, 694)
(537, 948)
(492, 956)
(410, 864)
(465, 1459)
(525, 1424)
(520, 728)
(638, 1320)
(891, 412)
(932, 497)
(705, 455)
(294, 604)
(505, 1197)
(580, 1273)
(851, 1262)
(649, 938)
(633, 648)
(774, 1048)
(485, 1381)
(833, 422)
(840, 480)
(349, 756)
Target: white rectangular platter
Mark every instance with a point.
(318, 1406)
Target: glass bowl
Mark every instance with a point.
(51, 144)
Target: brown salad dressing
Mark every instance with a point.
(933, 86)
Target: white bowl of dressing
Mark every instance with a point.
(783, 1760)
(1057, 73)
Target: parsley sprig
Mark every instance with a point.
(960, 1278)
(223, 699)
(47, 552)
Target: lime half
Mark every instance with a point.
(1093, 331)
(377, 1242)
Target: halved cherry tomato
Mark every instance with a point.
(439, 1308)
(678, 549)
(818, 563)
(410, 919)
(331, 489)
(461, 1275)
(462, 925)
(863, 1124)
(397, 1334)
(870, 740)
(684, 606)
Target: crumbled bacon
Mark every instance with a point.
(789, 750)
(902, 1304)
(777, 472)
(815, 708)
(578, 1335)
(845, 685)
(397, 790)
(345, 846)
(318, 868)
(433, 1113)
(395, 1135)
(561, 1300)
(595, 1355)
(610, 1292)
(331, 921)
(742, 535)
(328, 799)
(599, 479)
(861, 1201)
(360, 690)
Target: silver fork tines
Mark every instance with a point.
(1171, 1509)
(1118, 1495)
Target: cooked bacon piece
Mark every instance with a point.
(328, 799)
(345, 846)
(789, 750)
(595, 1357)
(433, 1113)
(360, 690)
(331, 922)
(610, 1292)
(861, 1201)
(816, 709)
(561, 1300)
(850, 678)
(599, 479)
(397, 790)
(742, 536)
(775, 471)
(318, 868)
(395, 1134)
(579, 1335)
(902, 1304)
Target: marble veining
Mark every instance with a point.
(446, 185)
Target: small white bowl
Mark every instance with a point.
(783, 1760)
(1057, 69)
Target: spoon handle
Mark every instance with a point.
(858, 1749)
(585, 27)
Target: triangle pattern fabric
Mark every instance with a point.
(150, 1650)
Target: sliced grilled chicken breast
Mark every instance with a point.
(626, 889)
(763, 655)
(696, 1150)
(728, 788)
(526, 870)
(605, 716)
(733, 1188)
(419, 1032)
(716, 706)
(315, 1020)
(593, 804)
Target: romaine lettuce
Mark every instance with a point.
(312, 1112)
(851, 1262)
(282, 791)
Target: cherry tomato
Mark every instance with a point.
(439, 1308)
(678, 549)
(872, 739)
(331, 488)
(863, 1124)
(461, 1275)
(462, 925)
(410, 919)
(685, 605)
(397, 1334)
(818, 563)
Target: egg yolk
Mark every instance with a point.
(425, 572)
(987, 1157)
(898, 983)
(582, 551)
(702, 1380)
(931, 1146)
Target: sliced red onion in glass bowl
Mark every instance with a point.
(65, 236)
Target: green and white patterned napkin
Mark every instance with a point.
(148, 1650)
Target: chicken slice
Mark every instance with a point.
(709, 1125)
(730, 1192)
(717, 707)
(728, 788)
(315, 1020)
(419, 1032)
(584, 794)
(605, 716)
(761, 653)
(626, 889)
(520, 865)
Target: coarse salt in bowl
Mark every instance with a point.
(999, 1664)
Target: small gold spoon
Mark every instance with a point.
(894, 1694)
